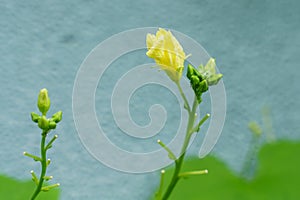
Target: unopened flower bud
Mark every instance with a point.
(214, 79)
(57, 116)
(191, 71)
(43, 123)
(52, 124)
(203, 86)
(198, 83)
(209, 72)
(43, 101)
(35, 117)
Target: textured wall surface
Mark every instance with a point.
(42, 44)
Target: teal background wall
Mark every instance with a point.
(42, 44)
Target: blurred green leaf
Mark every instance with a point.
(277, 177)
(13, 189)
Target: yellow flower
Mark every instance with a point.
(167, 53)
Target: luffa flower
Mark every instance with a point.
(167, 53)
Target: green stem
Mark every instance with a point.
(44, 166)
(49, 145)
(179, 161)
(197, 128)
(170, 153)
(162, 173)
(186, 103)
(187, 174)
(250, 160)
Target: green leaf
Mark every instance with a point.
(13, 189)
(277, 177)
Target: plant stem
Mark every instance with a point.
(44, 166)
(179, 161)
(186, 103)
(249, 165)
(162, 173)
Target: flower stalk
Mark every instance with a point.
(44, 166)
(168, 54)
(178, 162)
(46, 125)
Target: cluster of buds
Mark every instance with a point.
(203, 77)
(46, 125)
(43, 104)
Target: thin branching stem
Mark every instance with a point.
(44, 166)
(179, 161)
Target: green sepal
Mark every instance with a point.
(35, 117)
(214, 79)
(52, 124)
(191, 71)
(57, 116)
(43, 123)
(203, 86)
(209, 72)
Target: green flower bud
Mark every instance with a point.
(43, 101)
(190, 71)
(203, 77)
(43, 123)
(198, 83)
(57, 116)
(203, 86)
(194, 81)
(200, 88)
(214, 79)
(52, 124)
(209, 72)
(35, 117)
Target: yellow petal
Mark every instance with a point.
(150, 40)
(167, 52)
